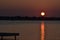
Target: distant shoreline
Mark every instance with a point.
(29, 18)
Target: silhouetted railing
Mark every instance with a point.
(9, 34)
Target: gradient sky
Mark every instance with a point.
(29, 7)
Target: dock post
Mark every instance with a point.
(15, 37)
(1, 37)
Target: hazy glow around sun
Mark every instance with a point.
(42, 13)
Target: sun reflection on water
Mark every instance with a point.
(42, 30)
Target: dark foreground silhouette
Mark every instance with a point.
(9, 39)
(8, 34)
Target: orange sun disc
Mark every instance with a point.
(42, 13)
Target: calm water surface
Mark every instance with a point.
(32, 30)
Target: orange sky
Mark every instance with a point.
(30, 4)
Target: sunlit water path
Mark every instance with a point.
(42, 31)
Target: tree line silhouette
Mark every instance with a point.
(27, 18)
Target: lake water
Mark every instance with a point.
(32, 30)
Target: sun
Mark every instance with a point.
(42, 13)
